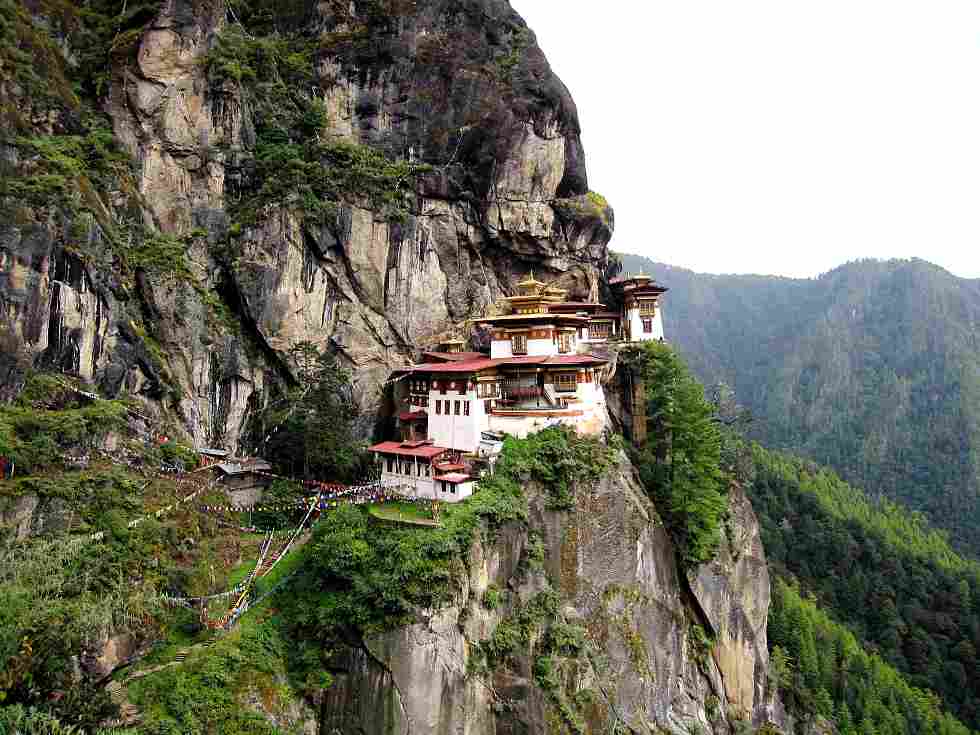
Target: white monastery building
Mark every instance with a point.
(540, 372)
(642, 320)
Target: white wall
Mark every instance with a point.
(421, 486)
(521, 426)
(636, 326)
(426, 487)
(590, 394)
(500, 348)
(452, 431)
(535, 348)
(463, 491)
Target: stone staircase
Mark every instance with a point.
(129, 713)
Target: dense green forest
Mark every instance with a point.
(872, 369)
(892, 616)
(822, 671)
(880, 570)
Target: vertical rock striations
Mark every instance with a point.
(459, 88)
(647, 665)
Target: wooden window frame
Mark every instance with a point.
(647, 325)
(566, 382)
(518, 339)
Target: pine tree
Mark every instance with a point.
(309, 430)
(681, 464)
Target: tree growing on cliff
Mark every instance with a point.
(308, 430)
(680, 465)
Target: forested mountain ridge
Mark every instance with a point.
(872, 368)
(878, 570)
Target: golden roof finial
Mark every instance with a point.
(531, 280)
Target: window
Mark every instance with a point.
(466, 408)
(456, 408)
(600, 331)
(648, 308)
(565, 342)
(438, 408)
(442, 386)
(647, 326)
(518, 344)
(565, 381)
(488, 406)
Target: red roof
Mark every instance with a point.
(450, 466)
(576, 360)
(412, 415)
(573, 305)
(642, 285)
(453, 356)
(425, 452)
(454, 477)
(464, 366)
(475, 366)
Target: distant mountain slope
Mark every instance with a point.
(876, 568)
(873, 368)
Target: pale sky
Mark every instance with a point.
(777, 136)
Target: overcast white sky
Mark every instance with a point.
(777, 136)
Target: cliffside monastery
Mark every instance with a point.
(541, 371)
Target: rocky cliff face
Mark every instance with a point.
(660, 655)
(164, 269)
(150, 279)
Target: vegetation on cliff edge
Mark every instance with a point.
(681, 463)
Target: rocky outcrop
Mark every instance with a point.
(109, 654)
(460, 87)
(649, 666)
(733, 593)
(18, 514)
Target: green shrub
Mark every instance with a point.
(492, 597)
(203, 695)
(557, 458)
(34, 435)
(174, 452)
(513, 634)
